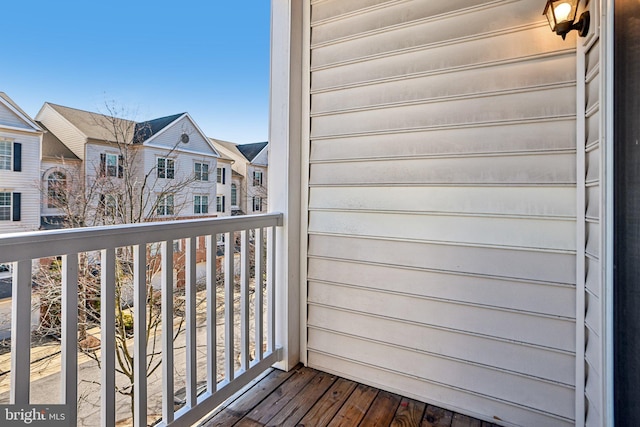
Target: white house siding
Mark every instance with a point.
(48, 166)
(59, 126)
(184, 172)
(9, 118)
(252, 191)
(170, 137)
(24, 182)
(590, 171)
(223, 189)
(442, 204)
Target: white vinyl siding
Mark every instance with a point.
(442, 204)
(591, 224)
(10, 118)
(61, 128)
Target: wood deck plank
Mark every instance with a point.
(293, 412)
(460, 420)
(409, 413)
(436, 417)
(382, 410)
(274, 402)
(245, 403)
(329, 404)
(355, 407)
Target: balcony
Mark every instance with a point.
(197, 373)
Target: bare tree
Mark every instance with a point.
(114, 190)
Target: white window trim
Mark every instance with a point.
(166, 167)
(195, 171)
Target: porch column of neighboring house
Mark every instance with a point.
(285, 168)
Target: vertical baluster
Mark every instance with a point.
(20, 332)
(140, 334)
(244, 300)
(211, 243)
(69, 347)
(228, 306)
(167, 331)
(190, 303)
(108, 335)
(271, 294)
(259, 269)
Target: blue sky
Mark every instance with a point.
(152, 58)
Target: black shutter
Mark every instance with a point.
(17, 157)
(224, 175)
(223, 204)
(16, 206)
(120, 166)
(103, 164)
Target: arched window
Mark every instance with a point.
(56, 189)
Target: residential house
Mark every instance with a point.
(168, 160)
(250, 164)
(224, 182)
(20, 138)
(455, 207)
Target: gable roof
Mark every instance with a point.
(4, 98)
(52, 147)
(251, 151)
(145, 130)
(94, 125)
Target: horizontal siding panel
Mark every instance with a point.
(435, 393)
(593, 239)
(517, 295)
(398, 14)
(442, 58)
(529, 169)
(9, 118)
(593, 282)
(593, 388)
(517, 137)
(592, 59)
(592, 130)
(593, 315)
(517, 201)
(593, 350)
(529, 392)
(593, 201)
(513, 232)
(593, 165)
(321, 10)
(505, 355)
(478, 23)
(520, 327)
(517, 264)
(534, 73)
(592, 94)
(506, 107)
(594, 419)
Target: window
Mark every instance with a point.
(165, 168)
(111, 165)
(56, 186)
(234, 195)
(257, 204)
(202, 172)
(220, 172)
(257, 178)
(5, 155)
(5, 206)
(220, 239)
(165, 205)
(219, 203)
(200, 204)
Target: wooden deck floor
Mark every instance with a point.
(304, 397)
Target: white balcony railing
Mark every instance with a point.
(24, 249)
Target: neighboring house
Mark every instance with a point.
(250, 162)
(58, 166)
(168, 160)
(224, 184)
(20, 138)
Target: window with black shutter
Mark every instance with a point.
(17, 157)
(16, 206)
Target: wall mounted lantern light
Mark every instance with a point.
(562, 13)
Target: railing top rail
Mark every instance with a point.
(40, 244)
